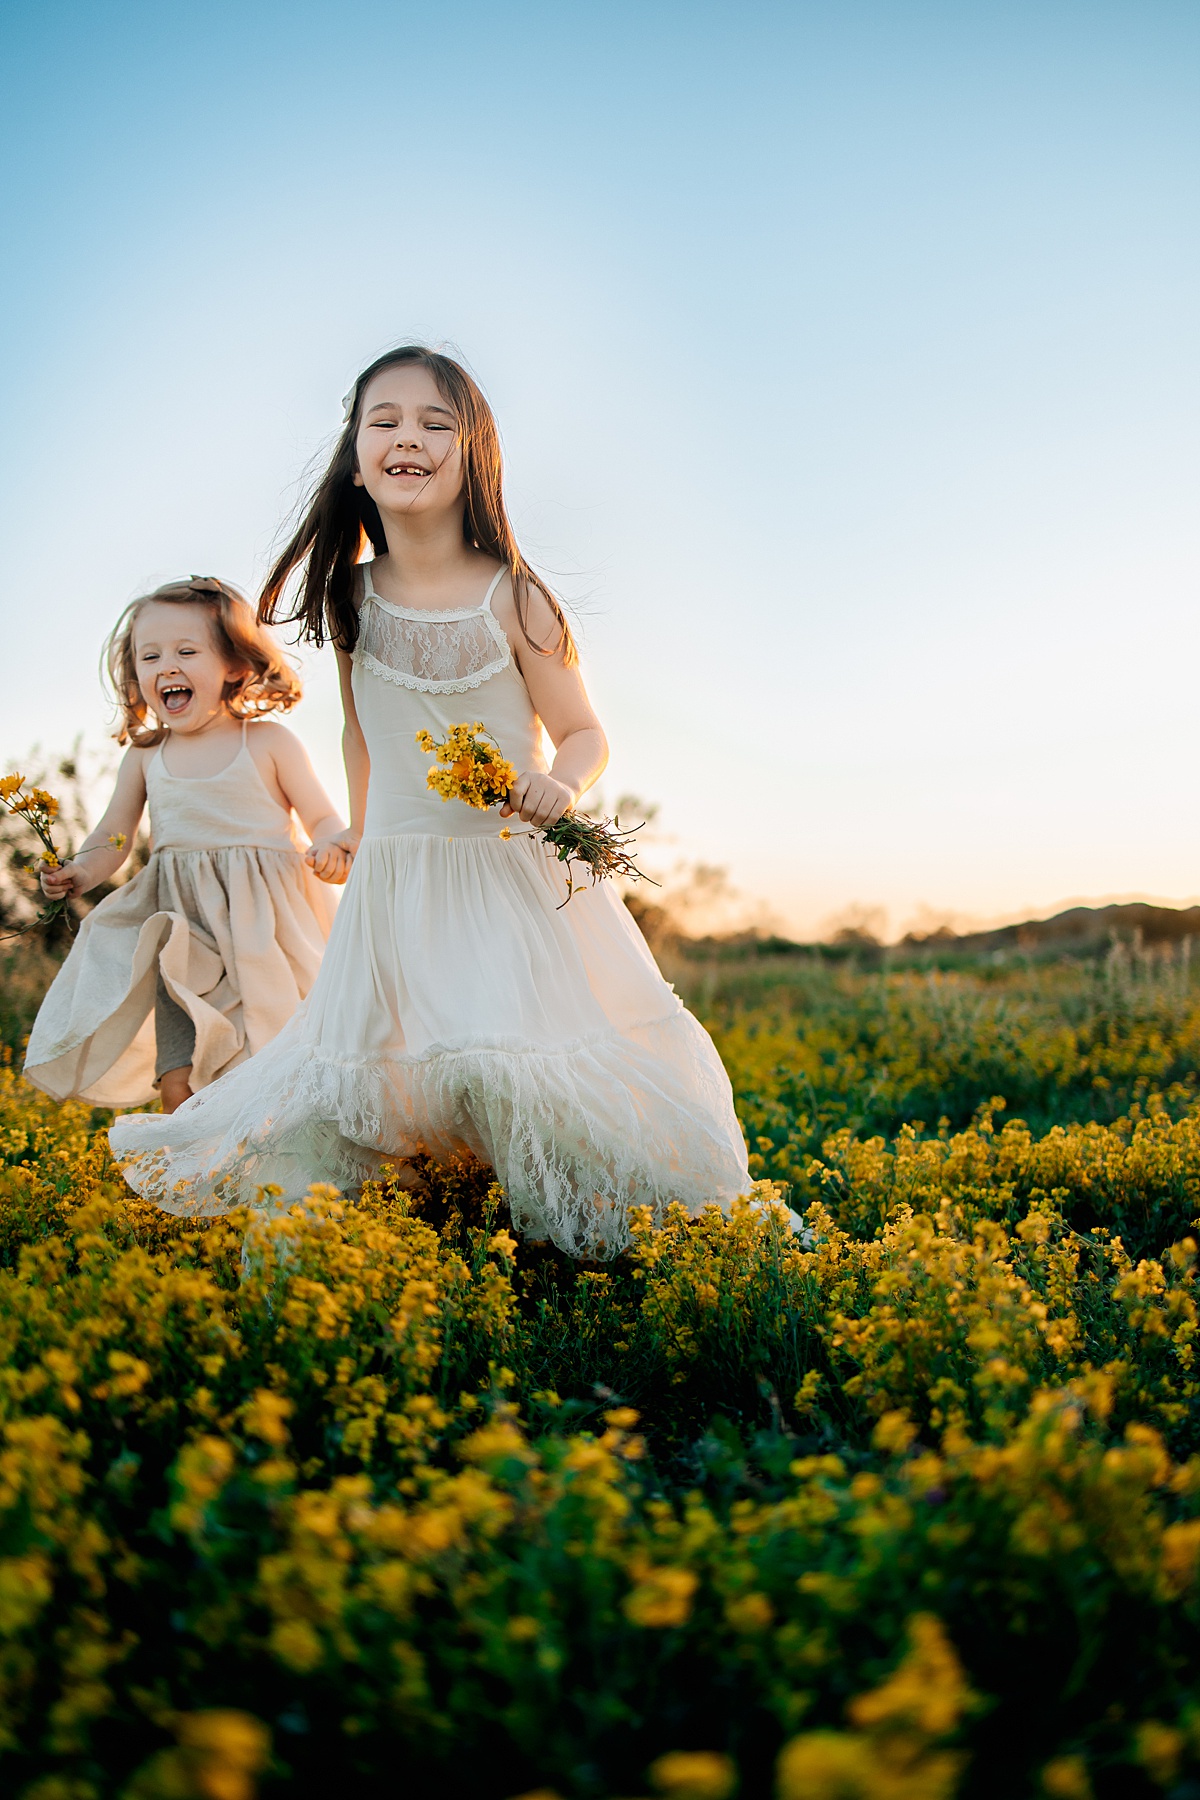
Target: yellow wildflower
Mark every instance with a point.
(296, 1645)
(825, 1765)
(264, 1416)
(1066, 1778)
(228, 1749)
(201, 1471)
(749, 1613)
(470, 769)
(894, 1433)
(496, 1441)
(662, 1597)
(1181, 1553)
(1159, 1748)
(928, 1691)
(694, 1775)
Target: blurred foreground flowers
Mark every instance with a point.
(372, 1498)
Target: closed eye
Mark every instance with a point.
(393, 425)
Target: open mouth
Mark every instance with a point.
(174, 697)
(407, 468)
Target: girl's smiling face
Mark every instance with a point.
(183, 675)
(408, 442)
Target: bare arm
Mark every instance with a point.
(104, 849)
(355, 754)
(561, 701)
(328, 854)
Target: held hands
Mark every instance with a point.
(538, 799)
(330, 858)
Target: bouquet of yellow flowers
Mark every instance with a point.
(470, 767)
(39, 810)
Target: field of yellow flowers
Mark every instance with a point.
(373, 1500)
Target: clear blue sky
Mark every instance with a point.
(845, 356)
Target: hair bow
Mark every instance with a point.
(348, 404)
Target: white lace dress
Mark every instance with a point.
(460, 1005)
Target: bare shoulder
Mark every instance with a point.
(541, 621)
(134, 763)
(268, 739)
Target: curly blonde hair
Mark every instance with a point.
(268, 685)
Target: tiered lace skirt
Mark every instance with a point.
(461, 1006)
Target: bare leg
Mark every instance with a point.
(174, 1088)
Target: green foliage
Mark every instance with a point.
(813, 1048)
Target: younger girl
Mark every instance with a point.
(198, 961)
(460, 1004)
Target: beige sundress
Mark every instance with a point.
(226, 911)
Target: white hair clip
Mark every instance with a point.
(348, 404)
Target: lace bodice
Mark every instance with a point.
(436, 652)
(411, 670)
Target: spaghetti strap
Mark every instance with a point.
(497, 578)
(428, 614)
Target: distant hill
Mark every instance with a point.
(1080, 931)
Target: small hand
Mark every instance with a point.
(538, 799)
(330, 858)
(66, 882)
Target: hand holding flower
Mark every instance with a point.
(470, 767)
(64, 881)
(538, 799)
(60, 882)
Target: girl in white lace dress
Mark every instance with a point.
(460, 1005)
(198, 961)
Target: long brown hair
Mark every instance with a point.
(340, 515)
(268, 685)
